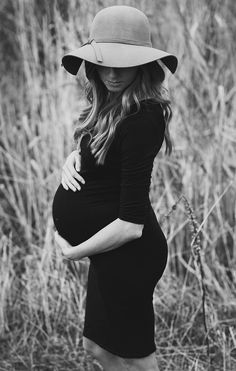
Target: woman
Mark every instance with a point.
(102, 210)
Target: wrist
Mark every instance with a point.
(74, 253)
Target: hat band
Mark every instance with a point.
(124, 41)
(97, 49)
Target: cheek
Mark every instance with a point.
(101, 73)
(131, 76)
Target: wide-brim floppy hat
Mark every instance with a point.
(119, 37)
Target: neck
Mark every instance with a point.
(113, 95)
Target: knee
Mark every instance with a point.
(148, 363)
(92, 348)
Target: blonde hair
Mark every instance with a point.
(103, 113)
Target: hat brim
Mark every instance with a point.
(117, 55)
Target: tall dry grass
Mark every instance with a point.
(193, 191)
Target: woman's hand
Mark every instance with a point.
(70, 172)
(64, 246)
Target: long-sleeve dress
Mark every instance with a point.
(119, 306)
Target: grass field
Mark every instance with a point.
(193, 191)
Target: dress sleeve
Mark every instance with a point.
(141, 137)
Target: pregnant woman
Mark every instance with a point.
(101, 209)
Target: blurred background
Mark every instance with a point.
(193, 191)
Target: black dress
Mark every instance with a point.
(119, 309)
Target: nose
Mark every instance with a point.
(113, 73)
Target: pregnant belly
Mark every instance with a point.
(79, 215)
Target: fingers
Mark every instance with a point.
(57, 240)
(68, 179)
(77, 165)
(67, 184)
(77, 160)
(74, 174)
(70, 175)
(64, 185)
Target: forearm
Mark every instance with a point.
(112, 236)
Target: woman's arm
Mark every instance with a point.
(110, 237)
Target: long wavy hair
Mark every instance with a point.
(103, 113)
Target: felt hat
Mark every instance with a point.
(119, 37)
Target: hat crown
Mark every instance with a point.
(121, 24)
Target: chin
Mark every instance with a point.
(114, 90)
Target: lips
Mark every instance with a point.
(114, 82)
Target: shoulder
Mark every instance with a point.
(149, 118)
(142, 132)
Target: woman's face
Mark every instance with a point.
(116, 79)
